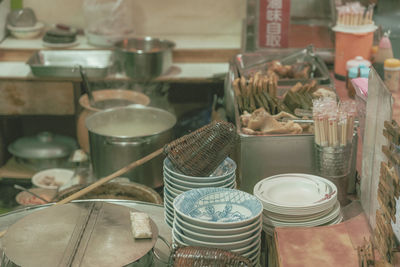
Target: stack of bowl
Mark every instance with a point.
(176, 183)
(221, 218)
(297, 200)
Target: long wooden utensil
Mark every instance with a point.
(110, 177)
(198, 154)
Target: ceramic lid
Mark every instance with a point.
(44, 145)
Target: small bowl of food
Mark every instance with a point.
(52, 178)
(25, 199)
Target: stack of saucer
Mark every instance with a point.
(176, 183)
(295, 200)
(221, 218)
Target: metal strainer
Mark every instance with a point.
(202, 151)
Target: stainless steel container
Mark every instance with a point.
(111, 149)
(61, 63)
(43, 151)
(144, 58)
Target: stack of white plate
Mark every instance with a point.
(294, 200)
(176, 183)
(222, 218)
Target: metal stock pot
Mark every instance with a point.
(120, 136)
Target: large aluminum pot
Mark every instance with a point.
(144, 58)
(122, 135)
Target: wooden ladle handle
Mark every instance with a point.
(110, 177)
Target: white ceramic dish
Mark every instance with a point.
(216, 238)
(243, 250)
(172, 191)
(315, 222)
(216, 231)
(294, 190)
(225, 169)
(227, 184)
(218, 207)
(198, 184)
(26, 32)
(227, 245)
(291, 218)
(52, 178)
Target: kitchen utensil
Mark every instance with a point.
(26, 199)
(30, 192)
(214, 137)
(109, 98)
(144, 58)
(42, 151)
(121, 135)
(154, 211)
(26, 32)
(189, 256)
(24, 17)
(219, 209)
(55, 178)
(61, 63)
(87, 88)
(78, 234)
(116, 190)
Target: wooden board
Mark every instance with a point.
(36, 98)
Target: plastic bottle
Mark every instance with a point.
(392, 74)
(384, 52)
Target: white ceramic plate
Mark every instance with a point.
(291, 218)
(200, 183)
(216, 237)
(218, 207)
(52, 178)
(315, 222)
(225, 169)
(179, 188)
(227, 246)
(294, 190)
(216, 231)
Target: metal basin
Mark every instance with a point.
(144, 58)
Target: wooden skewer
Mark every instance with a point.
(110, 177)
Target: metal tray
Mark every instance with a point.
(61, 63)
(252, 62)
(246, 63)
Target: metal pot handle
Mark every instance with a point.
(157, 255)
(126, 143)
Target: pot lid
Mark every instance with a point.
(76, 234)
(44, 145)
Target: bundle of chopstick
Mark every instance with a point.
(333, 122)
(354, 14)
(259, 90)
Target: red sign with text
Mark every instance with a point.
(273, 27)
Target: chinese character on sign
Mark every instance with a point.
(274, 18)
(273, 28)
(275, 4)
(273, 40)
(274, 15)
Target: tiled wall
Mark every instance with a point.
(156, 17)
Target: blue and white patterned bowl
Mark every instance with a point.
(218, 207)
(225, 169)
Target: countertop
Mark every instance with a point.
(196, 58)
